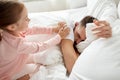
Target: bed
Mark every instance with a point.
(55, 69)
(50, 72)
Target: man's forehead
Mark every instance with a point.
(79, 27)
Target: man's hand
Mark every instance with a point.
(102, 29)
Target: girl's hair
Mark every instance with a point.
(10, 13)
(87, 19)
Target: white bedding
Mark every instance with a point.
(52, 57)
(102, 9)
(103, 58)
(45, 18)
(58, 71)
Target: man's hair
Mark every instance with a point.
(87, 19)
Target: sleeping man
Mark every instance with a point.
(51, 59)
(97, 61)
(83, 35)
(107, 16)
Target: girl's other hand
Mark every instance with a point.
(63, 32)
(59, 26)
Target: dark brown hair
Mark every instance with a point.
(10, 12)
(87, 19)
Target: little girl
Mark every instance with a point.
(15, 51)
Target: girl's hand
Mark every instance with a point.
(59, 26)
(102, 29)
(63, 32)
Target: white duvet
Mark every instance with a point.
(55, 69)
(103, 58)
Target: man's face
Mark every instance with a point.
(79, 33)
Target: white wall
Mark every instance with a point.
(52, 5)
(45, 5)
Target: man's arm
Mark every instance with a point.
(25, 77)
(69, 54)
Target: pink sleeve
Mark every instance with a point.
(33, 47)
(39, 30)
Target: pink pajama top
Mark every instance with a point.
(14, 51)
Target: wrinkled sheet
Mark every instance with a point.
(53, 68)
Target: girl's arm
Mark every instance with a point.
(33, 47)
(39, 30)
(45, 30)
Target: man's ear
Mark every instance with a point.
(12, 27)
(76, 24)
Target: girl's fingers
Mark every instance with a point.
(61, 23)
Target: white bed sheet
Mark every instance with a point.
(51, 18)
(53, 70)
(70, 16)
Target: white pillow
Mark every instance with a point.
(76, 3)
(102, 9)
(91, 4)
(47, 19)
